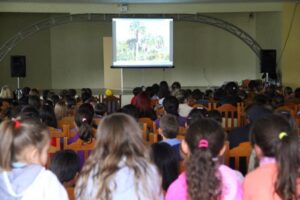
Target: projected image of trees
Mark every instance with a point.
(141, 42)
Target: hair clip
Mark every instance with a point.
(282, 135)
(84, 119)
(203, 143)
(17, 123)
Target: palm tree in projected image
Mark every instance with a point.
(138, 30)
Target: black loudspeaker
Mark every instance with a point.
(268, 61)
(18, 66)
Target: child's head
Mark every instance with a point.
(166, 160)
(119, 135)
(195, 115)
(25, 141)
(273, 136)
(47, 116)
(204, 143)
(100, 109)
(60, 110)
(118, 141)
(65, 165)
(215, 114)
(131, 110)
(171, 105)
(83, 119)
(169, 126)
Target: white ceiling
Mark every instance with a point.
(143, 1)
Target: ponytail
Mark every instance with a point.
(288, 166)
(83, 120)
(85, 131)
(205, 139)
(202, 179)
(6, 144)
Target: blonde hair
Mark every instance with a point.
(16, 136)
(118, 139)
(60, 110)
(6, 93)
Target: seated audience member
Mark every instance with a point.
(169, 128)
(198, 96)
(6, 93)
(175, 87)
(130, 110)
(84, 125)
(171, 106)
(143, 104)
(66, 166)
(23, 146)
(34, 92)
(277, 101)
(277, 148)
(242, 134)
(60, 110)
(71, 105)
(135, 92)
(231, 94)
(119, 167)
(100, 110)
(216, 115)
(205, 176)
(29, 112)
(34, 101)
(184, 109)
(288, 93)
(195, 115)
(166, 161)
(47, 116)
(296, 98)
(163, 91)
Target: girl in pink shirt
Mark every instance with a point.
(205, 177)
(277, 147)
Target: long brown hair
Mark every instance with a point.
(276, 138)
(16, 136)
(118, 139)
(203, 179)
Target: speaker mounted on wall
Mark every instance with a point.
(18, 66)
(268, 61)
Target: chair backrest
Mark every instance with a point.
(153, 138)
(241, 151)
(292, 111)
(79, 146)
(113, 103)
(66, 121)
(148, 121)
(230, 116)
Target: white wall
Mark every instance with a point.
(71, 55)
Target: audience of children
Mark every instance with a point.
(24, 149)
(121, 150)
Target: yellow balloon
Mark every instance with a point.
(108, 92)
